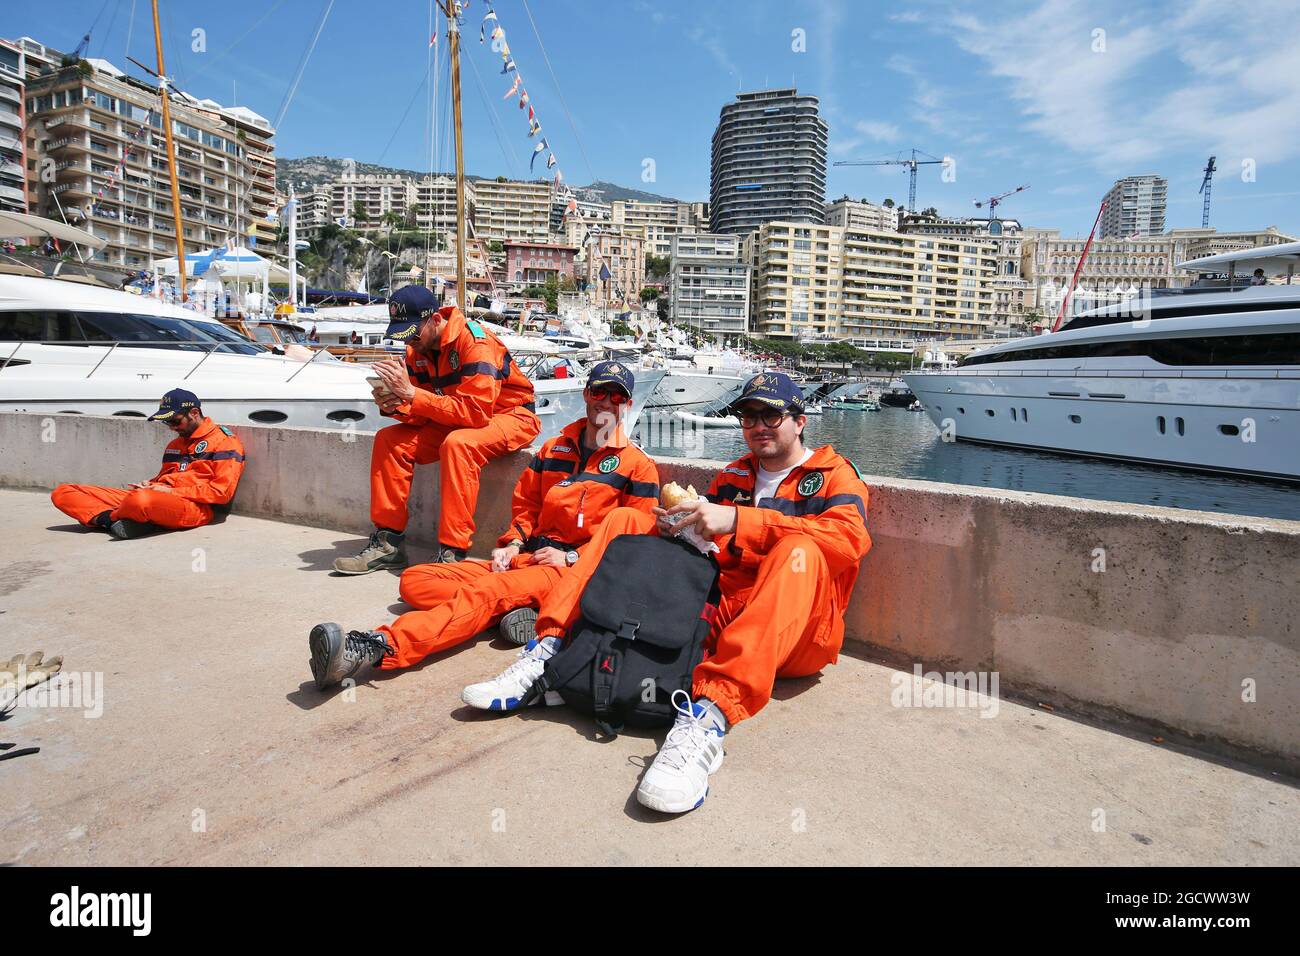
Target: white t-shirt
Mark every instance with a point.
(766, 482)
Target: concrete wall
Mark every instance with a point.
(1189, 607)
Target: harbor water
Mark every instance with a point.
(896, 443)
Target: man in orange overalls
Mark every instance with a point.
(571, 485)
(200, 471)
(791, 525)
(461, 400)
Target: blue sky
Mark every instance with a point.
(1061, 96)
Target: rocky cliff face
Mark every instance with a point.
(340, 264)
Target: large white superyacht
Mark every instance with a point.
(1207, 378)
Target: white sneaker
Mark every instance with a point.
(507, 689)
(678, 780)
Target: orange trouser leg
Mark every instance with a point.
(464, 453)
(476, 605)
(560, 610)
(84, 502)
(424, 586)
(784, 626)
(393, 457)
(163, 509)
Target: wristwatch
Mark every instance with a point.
(571, 558)
(517, 543)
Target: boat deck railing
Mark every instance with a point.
(1253, 373)
(208, 349)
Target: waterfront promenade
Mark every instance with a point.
(210, 722)
(1145, 710)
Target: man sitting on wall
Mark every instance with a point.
(460, 400)
(200, 471)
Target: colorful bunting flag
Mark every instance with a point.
(536, 150)
(513, 89)
(492, 15)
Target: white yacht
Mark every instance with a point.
(69, 348)
(1206, 378)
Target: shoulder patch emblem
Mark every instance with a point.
(475, 329)
(562, 448)
(453, 359)
(226, 431)
(201, 447)
(183, 466)
(736, 471)
(608, 464)
(856, 470)
(810, 484)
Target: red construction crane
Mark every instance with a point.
(911, 164)
(992, 201)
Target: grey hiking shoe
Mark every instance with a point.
(336, 656)
(124, 528)
(384, 550)
(519, 626)
(448, 555)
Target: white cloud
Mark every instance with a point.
(1169, 80)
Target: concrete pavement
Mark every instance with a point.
(214, 748)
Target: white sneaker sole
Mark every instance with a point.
(657, 801)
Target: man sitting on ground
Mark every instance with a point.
(200, 471)
(573, 482)
(791, 525)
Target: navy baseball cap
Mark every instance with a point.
(408, 309)
(174, 403)
(774, 389)
(612, 373)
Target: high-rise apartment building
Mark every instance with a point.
(507, 209)
(363, 199)
(1135, 206)
(656, 222)
(768, 162)
(13, 152)
(1012, 293)
(97, 155)
(860, 214)
(872, 288)
(435, 200)
(709, 284)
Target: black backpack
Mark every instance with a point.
(646, 614)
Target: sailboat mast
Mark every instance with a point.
(453, 35)
(171, 153)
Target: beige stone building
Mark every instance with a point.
(373, 195)
(1012, 293)
(506, 209)
(860, 214)
(1120, 268)
(657, 223)
(624, 256)
(82, 121)
(435, 199)
(869, 287)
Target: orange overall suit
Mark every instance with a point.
(559, 500)
(787, 573)
(202, 471)
(472, 404)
